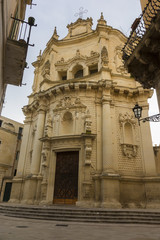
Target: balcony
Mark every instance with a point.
(16, 51)
(141, 53)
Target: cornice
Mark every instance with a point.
(101, 85)
(80, 136)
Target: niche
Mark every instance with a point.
(67, 123)
(127, 138)
(128, 134)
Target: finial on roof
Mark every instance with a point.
(40, 55)
(55, 30)
(101, 21)
(102, 18)
(55, 35)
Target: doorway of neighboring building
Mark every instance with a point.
(66, 178)
(7, 192)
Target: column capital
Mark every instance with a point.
(42, 108)
(106, 100)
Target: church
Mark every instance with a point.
(81, 142)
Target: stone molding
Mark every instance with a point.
(90, 85)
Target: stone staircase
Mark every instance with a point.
(76, 214)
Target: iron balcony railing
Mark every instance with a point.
(21, 29)
(140, 26)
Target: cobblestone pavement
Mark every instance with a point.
(27, 229)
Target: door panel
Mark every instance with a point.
(66, 179)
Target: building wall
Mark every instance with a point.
(7, 8)
(91, 114)
(10, 141)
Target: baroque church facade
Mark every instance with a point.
(81, 143)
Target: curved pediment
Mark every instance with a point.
(81, 26)
(87, 60)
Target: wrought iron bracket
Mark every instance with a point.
(154, 118)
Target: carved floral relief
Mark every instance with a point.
(118, 61)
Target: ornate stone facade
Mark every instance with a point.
(82, 103)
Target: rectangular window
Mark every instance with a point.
(20, 133)
(1, 123)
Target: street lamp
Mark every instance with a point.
(138, 113)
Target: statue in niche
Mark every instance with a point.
(78, 53)
(104, 56)
(48, 127)
(44, 164)
(46, 70)
(88, 122)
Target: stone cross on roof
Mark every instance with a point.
(81, 12)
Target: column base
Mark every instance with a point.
(111, 204)
(110, 191)
(85, 204)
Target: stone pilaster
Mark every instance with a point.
(99, 136)
(110, 188)
(31, 183)
(18, 184)
(24, 146)
(36, 156)
(146, 146)
(107, 136)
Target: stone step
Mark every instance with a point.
(61, 219)
(79, 210)
(82, 215)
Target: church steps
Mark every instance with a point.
(82, 215)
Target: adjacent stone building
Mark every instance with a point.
(10, 142)
(82, 144)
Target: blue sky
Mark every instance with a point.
(48, 14)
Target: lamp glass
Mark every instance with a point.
(137, 111)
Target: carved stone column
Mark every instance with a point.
(36, 156)
(110, 189)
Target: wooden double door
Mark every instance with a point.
(66, 178)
